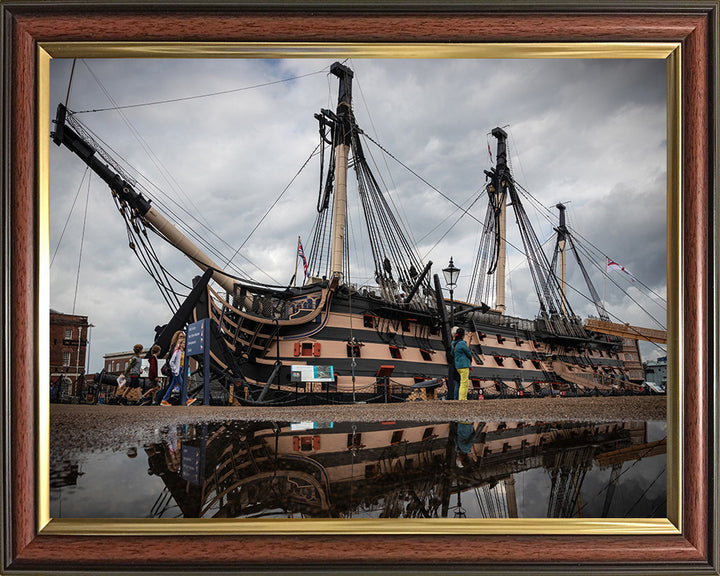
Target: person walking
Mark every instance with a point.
(168, 373)
(177, 361)
(132, 392)
(155, 387)
(463, 358)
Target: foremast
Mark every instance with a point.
(399, 273)
(343, 136)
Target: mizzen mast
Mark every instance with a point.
(561, 248)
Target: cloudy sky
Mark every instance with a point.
(230, 137)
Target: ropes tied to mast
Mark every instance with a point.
(396, 267)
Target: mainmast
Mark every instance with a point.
(343, 128)
(555, 312)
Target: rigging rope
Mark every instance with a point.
(198, 96)
(465, 212)
(153, 157)
(144, 145)
(179, 223)
(387, 225)
(407, 229)
(262, 219)
(67, 220)
(549, 216)
(72, 72)
(82, 242)
(662, 471)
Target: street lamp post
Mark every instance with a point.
(87, 348)
(451, 277)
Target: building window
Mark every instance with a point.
(396, 437)
(425, 354)
(66, 358)
(428, 433)
(395, 352)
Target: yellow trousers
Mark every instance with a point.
(464, 383)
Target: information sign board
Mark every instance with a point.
(197, 343)
(196, 337)
(304, 373)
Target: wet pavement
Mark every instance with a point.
(95, 427)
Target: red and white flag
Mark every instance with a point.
(490, 152)
(616, 266)
(301, 253)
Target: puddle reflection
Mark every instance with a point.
(242, 469)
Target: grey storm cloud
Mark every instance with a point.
(591, 133)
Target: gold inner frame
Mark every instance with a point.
(671, 52)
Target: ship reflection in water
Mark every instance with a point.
(243, 469)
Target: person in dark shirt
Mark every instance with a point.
(152, 376)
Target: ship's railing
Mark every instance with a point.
(419, 301)
(562, 326)
(495, 319)
(275, 311)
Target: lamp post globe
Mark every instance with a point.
(451, 274)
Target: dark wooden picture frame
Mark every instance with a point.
(29, 24)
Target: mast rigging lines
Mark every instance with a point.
(371, 197)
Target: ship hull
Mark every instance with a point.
(384, 353)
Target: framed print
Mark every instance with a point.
(683, 35)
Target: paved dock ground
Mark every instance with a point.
(90, 427)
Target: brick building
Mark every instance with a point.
(68, 348)
(116, 362)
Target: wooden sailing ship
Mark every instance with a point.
(391, 342)
(386, 470)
